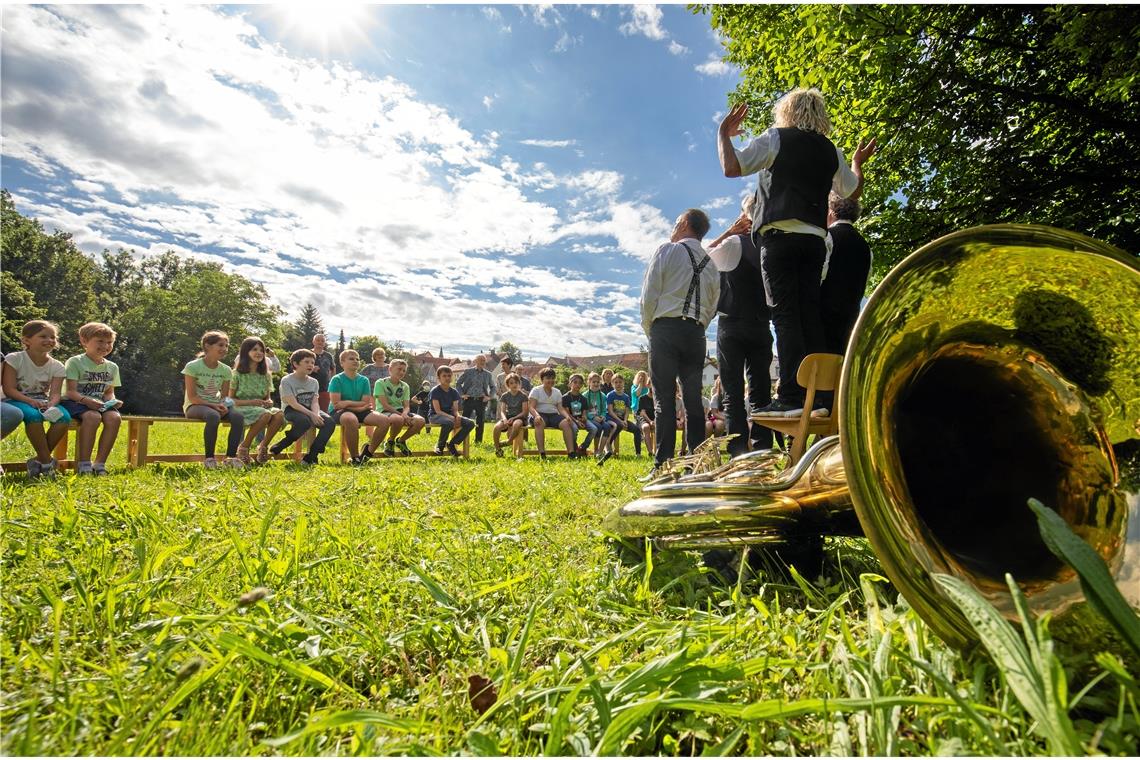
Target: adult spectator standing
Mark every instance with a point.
(325, 369)
(841, 292)
(791, 220)
(678, 300)
(475, 386)
(848, 268)
(743, 340)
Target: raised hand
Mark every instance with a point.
(731, 124)
(864, 151)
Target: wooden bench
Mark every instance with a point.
(138, 439)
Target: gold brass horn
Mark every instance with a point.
(990, 366)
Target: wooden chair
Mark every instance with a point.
(817, 372)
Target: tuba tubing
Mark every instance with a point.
(992, 365)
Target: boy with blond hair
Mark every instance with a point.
(91, 381)
(394, 399)
(350, 404)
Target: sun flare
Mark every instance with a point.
(329, 26)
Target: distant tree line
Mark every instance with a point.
(159, 306)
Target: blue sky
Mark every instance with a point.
(453, 175)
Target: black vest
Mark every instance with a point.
(847, 271)
(801, 178)
(742, 289)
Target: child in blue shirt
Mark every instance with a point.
(618, 407)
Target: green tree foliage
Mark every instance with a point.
(19, 307)
(984, 114)
(511, 350)
(365, 345)
(61, 279)
(300, 333)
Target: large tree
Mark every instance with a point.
(984, 114)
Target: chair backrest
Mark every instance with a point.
(820, 371)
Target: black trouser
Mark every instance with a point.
(791, 264)
(676, 352)
(744, 350)
(837, 329)
(476, 409)
(299, 424)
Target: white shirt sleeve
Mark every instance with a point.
(760, 153)
(710, 297)
(844, 182)
(726, 256)
(651, 290)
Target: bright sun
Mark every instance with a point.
(331, 27)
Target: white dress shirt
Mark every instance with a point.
(761, 154)
(667, 282)
(726, 256)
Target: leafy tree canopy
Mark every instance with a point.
(984, 114)
(511, 350)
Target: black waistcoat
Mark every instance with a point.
(801, 178)
(742, 288)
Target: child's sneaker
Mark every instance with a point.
(452, 450)
(366, 452)
(389, 448)
(210, 464)
(84, 468)
(99, 468)
(499, 450)
(49, 470)
(308, 460)
(403, 447)
(234, 463)
(357, 461)
(605, 456)
(542, 455)
(262, 454)
(34, 467)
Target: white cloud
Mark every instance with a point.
(646, 21)
(676, 48)
(488, 101)
(715, 67)
(496, 17)
(722, 202)
(289, 165)
(549, 143)
(565, 42)
(545, 14)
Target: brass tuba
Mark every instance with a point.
(990, 366)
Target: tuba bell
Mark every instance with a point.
(990, 366)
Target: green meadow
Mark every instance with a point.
(337, 611)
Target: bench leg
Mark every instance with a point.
(60, 450)
(142, 439)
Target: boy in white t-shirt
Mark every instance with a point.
(546, 410)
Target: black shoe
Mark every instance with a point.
(452, 450)
(572, 454)
(438, 451)
(542, 455)
(358, 460)
(308, 460)
(779, 409)
(653, 475)
(604, 457)
(365, 453)
(276, 448)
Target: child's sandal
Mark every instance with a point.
(243, 454)
(263, 453)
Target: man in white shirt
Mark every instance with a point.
(678, 300)
(790, 228)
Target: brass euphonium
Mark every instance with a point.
(990, 366)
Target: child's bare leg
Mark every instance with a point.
(413, 424)
(55, 434)
(395, 425)
(251, 432)
(568, 434)
(540, 434)
(38, 439)
(85, 439)
(350, 429)
(276, 422)
(378, 432)
(111, 422)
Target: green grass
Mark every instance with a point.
(125, 630)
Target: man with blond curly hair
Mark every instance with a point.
(799, 166)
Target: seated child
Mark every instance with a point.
(575, 405)
(546, 411)
(91, 380)
(206, 386)
(597, 423)
(33, 384)
(378, 369)
(394, 399)
(299, 395)
(642, 405)
(445, 413)
(513, 412)
(252, 395)
(714, 415)
(350, 404)
(617, 405)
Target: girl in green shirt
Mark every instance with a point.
(251, 391)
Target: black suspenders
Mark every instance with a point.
(694, 284)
